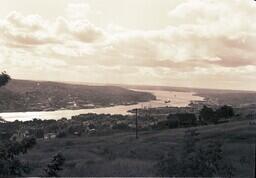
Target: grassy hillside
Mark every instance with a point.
(121, 154)
(20, 95)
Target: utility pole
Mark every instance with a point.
(136, 123)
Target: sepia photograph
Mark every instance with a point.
(128, 88)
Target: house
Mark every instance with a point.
(49, 136)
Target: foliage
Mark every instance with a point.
(121, 126)
(39, 133)
(62, 134)
(196, 160)
(207, 114)
(4, 79)
(10, 165)
(225, 112)
(55, 166)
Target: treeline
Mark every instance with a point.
(206, 116)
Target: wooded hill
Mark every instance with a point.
(23, 95)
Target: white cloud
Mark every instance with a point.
(205, 38)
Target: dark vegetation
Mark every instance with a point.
(54, 166)
(99, 124)
(10, 165)
(120, 154)
(197, 159)
(20, 95)
(4, 79)
(205, 116)
(208, 115)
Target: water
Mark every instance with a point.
(178, 99)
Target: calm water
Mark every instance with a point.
(178, 99)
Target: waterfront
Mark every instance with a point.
(163, 98)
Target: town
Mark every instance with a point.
(101, 124)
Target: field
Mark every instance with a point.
(120, 154)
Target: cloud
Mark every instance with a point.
(86, 32)
(218, 29)
(18, 30)
(209, 38)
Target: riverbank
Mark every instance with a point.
(178, 99)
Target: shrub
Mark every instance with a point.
(54, 166)
(10, 165)
(196, 160)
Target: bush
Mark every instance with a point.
(225, 112)
(10, 165)
(121, 126)
(54, 166)
(4, 79)
(61, 134)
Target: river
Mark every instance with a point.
(177, 99)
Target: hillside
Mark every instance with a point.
(21, 95)
(121, 154)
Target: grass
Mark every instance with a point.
(120, 154)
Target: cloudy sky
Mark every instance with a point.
(192, 43)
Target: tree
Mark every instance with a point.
(55, 166)
(4, 79)
(208, 115)
(225, 112)
(10, 165)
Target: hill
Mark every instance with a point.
(120, 154)
(23, 95)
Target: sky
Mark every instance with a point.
(187, 43)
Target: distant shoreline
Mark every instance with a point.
(72, 109)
